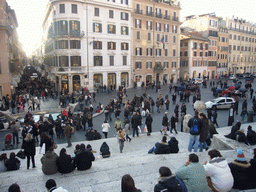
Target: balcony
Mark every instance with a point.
(159, 15)
(175, 18)
(138, 11)
(69, 34)
(72, 69)
(150, 14)
(167, 17)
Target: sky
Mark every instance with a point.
(30, 14)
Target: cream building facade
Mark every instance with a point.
(156, 41)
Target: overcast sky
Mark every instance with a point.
(30, 14)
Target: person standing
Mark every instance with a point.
(251, 92)
(118, 124)
(209, 114)
(158, 105)
(204, 132)
(67, 133)
(174, 121)
(174, 98)
(29, 149)
(184, 109)
(120, 135)
(15, 131)
(127, 129)
(152, 103)
(195, 127)
(164, 123)
(105, 128)
(236, 106)
(148, 123)
(167, 104)
(135, 121)
(215, 115)
(176, 111)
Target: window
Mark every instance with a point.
(75, 61)
(62, 27)
(234, 47)
(158, 12)
(200, 63)
(158, 26)
(158, 52)
(173, 52)
(97, 27)
(74, 8)
(194, 63)
(149, 51)
(206, 46)
(149, 65)
(63, 61)
(124, 46)
(166, 27)
(63, 44)
(125, 2)
(138, 35)
(124, 60)
(205, 63)
(149, 36)
(238, 37)
(185, 53)
(137, 23)
(157, 37)
(195, 53)
(238, 48)
(201, 54)
(111, 29)
(166, 38)
(206, 54)
(246, 39)
(111, 60)
(166, 64)
(201, 46)
(149, 25)
(173, 64)
(166, 52)
(111, 45)
(149, 11)
(74, 27)
(124, 16)
(174, 29)
(180, 53)
(195, 46)
(230, 36)
(137, 65)
(174, 39)
(97, 60)
(181, 44)
(242, 38)
(111, 14)
(138, 51)
(186, 44)
(124, 30)
(97, 44)
(75, 44)
(96, 12)
(62, 8)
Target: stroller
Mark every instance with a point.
(8, 142)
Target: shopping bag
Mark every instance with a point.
(21, 154)
(139, 130)
(42, 149)
(145, 129)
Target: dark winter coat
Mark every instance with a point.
(48, 143)
(83, 160)
(204, 130)
(162, 148)
(232, 134)
(173, 121)
(174, 145)
(241, 173)
(165, 121)
(190, 123)
(104, 149)
(135, 121)
(148, 122)
(48, 161)
(240, 137)
(170, 183)
(65, 164)
(11, 164)
(251, 137)
(29, 147)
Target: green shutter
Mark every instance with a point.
(108, 28)
(78, 26)
(100, 26)
(114, 29)
(93, 27)
(127, 30)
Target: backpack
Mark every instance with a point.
(176, 186)
(194, 129)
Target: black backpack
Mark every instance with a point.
(175, 187)
(194, 129)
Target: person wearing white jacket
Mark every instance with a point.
(217, 171)
(105, 128)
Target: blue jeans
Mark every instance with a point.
(135, 129)
(193, 139)
(158, 109)
(203, 145)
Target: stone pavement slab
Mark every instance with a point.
(105, 174)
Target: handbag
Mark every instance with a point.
(145, 129)
(21, 154)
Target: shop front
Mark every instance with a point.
(125, 79)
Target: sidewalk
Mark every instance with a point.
(106, 174)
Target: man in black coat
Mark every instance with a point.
(83, 160)
(135, 121)
(165, 122)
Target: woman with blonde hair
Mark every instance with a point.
(29, 149)
(120, 135)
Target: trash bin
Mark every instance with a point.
(250, 116)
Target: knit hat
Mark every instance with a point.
(240, 155)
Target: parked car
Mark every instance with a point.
(197, 81)
(220, 103)
(232, 77)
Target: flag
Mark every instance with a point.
(162, 40)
